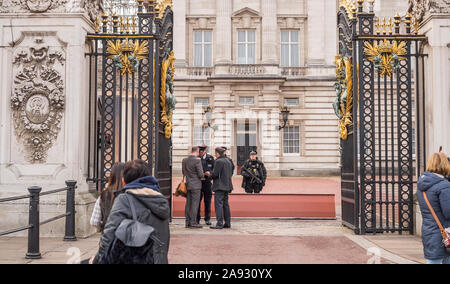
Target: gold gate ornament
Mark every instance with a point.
(385, 56)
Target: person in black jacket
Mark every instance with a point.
(254, 173)
(206, 194)
(222, 186)
(436, 187)
(152, 208)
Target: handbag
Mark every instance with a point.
(444, 232)
(181, 189)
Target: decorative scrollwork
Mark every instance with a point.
(127, 54)
(343, 104)
(38, 99)
(167, 98)
(386, 56)
(162, 6)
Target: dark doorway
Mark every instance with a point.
(246, 141)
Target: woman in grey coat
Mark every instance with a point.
(152, 208)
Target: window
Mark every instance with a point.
(202, 135)
(246, 101)
(291, 140)
(201, 101)
(289, 48)
(291, 102)
(203, 48)
(247, 47)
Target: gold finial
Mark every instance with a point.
(384, 26)
(378, 26)
(121, 25)
(96, 25)
(105, 23)
(354, 9)
(397, 22)
(390, 26)
(133, 25)
(408, 23)
(115, 23)
(128, 25)
(360, 6)
(416, 25)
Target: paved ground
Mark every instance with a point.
(249, 241)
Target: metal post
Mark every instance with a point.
(33, 232)
(70, 211)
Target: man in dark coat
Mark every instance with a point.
(206, 193)
(193, 171)
(437, 189)
(152, 208)
(254, 173)
(222, 177)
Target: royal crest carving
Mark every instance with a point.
(93, 8)
(38, 98)
(421, 8)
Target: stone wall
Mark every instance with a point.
(43, 107)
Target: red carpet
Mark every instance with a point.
(272, 205)
(282, 197)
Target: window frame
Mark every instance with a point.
(203, 44)
(286, 147)
(290, 44)
(246, 43)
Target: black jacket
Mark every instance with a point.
(208, 165)
(222, 175)
(262, 172)
(438, 193)
(152, 208)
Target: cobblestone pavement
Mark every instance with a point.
(248, 242)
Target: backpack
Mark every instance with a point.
(133, 242)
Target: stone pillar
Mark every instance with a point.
(223, 44)
(316, 32)
(179, 32)
(435, 24)
(434, 16)
(269, 32)
(44, 107)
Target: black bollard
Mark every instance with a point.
(69, 235)
(33, 232)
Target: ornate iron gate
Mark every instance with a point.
(131, 92)
(375, 74)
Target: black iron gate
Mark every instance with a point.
(380, 71)
(131, 98)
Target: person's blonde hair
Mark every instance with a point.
(438, 164)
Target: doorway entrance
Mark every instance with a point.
(246, 141)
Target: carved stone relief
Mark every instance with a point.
(94, 8)
(38, 97)
(421, 8)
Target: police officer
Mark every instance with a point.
(254, 174)
(206, 195)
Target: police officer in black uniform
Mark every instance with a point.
(254, 173)
(206, 195)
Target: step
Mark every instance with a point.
(272, 206)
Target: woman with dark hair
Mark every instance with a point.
(106, 200)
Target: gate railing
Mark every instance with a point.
(34, 222)
(376, 87)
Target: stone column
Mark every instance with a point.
(316, 32)
(269, 32)
(223, 46)
(44, 107)
(435, 24)
(179, 32)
